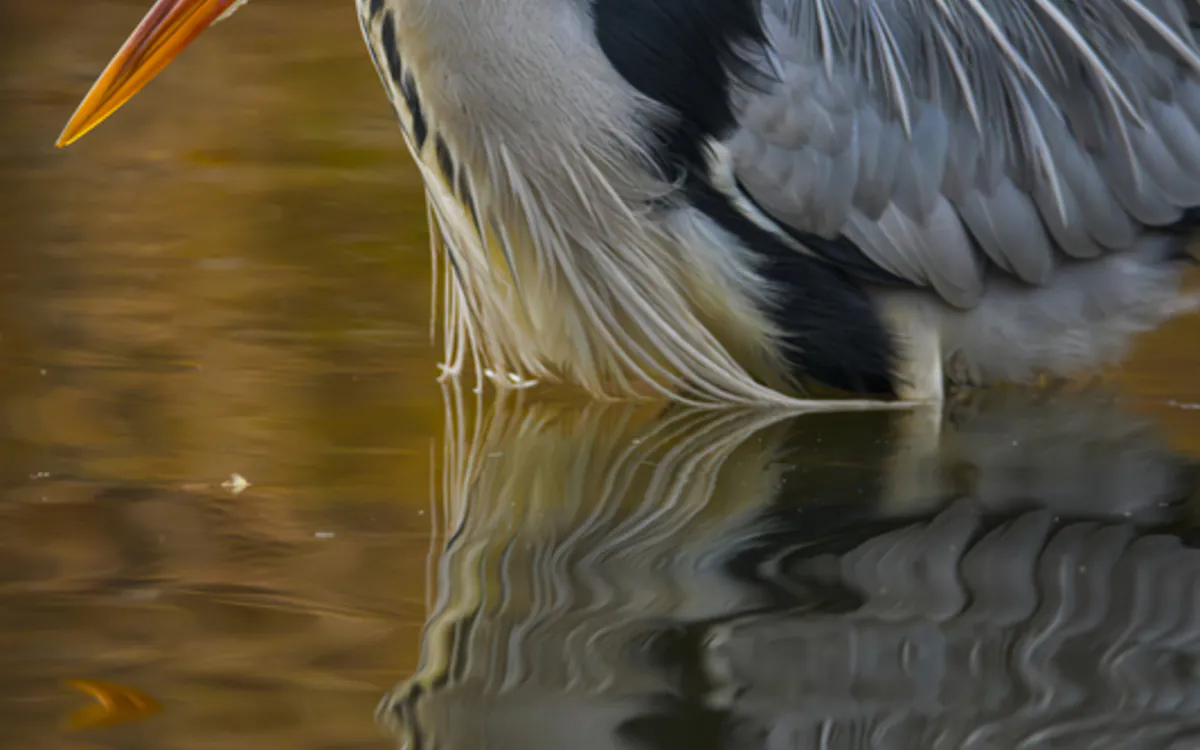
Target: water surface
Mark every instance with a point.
(230, 276)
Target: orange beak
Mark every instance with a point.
(170, 26)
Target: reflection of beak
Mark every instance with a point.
(170, 26)
(115, 704)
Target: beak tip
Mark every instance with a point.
(74, 130)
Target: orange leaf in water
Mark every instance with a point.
(115, 704)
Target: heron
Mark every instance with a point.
(761, 200)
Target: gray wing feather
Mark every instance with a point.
(946, 136)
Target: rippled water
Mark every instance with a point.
(1019, 575)
(236, 509)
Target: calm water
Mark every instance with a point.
(230, 277)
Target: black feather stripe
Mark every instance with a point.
(413, 100)
(445, 162)
(391, 50)
(403, 79)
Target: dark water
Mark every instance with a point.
(230, 277)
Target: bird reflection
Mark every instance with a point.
(1018, 573)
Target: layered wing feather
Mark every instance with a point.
(945, 138)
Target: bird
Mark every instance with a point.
(781, 201)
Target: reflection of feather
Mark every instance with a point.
(1075, 635)
(549, 524)
(609, 577)
(557, 572)
(1078, 453)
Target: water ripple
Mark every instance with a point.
(1017, 573)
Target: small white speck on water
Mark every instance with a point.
(1184, 405)
(511, 379)
(420, 512)
(40, 475)
(236, 484)
(42, 371)
(324, 535)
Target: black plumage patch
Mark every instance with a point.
(687, 54)
(682, 53)
(832, 332)
(1187, 224)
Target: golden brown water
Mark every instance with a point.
(230, 276)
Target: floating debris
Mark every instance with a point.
(236, 484)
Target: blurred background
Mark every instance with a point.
(231, 277)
